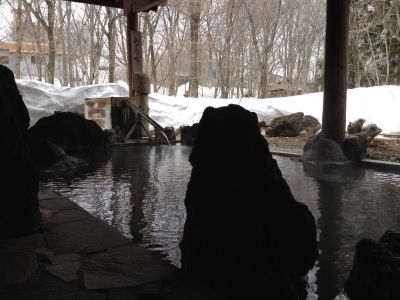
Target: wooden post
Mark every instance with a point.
(335, 78)
(138, 90)
(132, 26)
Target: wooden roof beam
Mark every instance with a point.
(108, 3)
(133, 5)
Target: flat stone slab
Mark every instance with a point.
(31, 241)
(42, 286)
(121, 294)
(77, 254)
(67, 271)
(65, 267)
(126, 266)
(47, 194)
(85, 236)
(69, 216)
(16, 267)
(58, 203)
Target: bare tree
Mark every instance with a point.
(263, 35)
(110, 32)
(175, 31)
(37, 7)
(19, 32)
(151, 22)
(194, 15)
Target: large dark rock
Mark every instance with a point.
(323, 151)
(310, 124)
(376, 269)
(19, 212)
(289, 125)
(355, 145)
(245, 234)
(115, 135)
(356, 126)
(77, 136)
(169, 131)
(189, 134)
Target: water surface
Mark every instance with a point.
(141, 192)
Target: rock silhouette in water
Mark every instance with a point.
(188, 134)
(376, 269)
(245, 234)
(76, 136)
(19, 211)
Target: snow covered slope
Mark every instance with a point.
(380, 105)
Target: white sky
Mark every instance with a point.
(5, 20)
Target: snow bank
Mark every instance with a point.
(380, 105)
(42, 99)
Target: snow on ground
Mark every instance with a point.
(380, 105)
(42, 99)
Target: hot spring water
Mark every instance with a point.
(141, 191)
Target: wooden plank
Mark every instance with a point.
(108, 3)
(138, 5)
(137, 55)
(144, 5)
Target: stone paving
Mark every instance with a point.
(78, 256)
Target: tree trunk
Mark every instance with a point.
(52, 46)
(18, 39)
(194, 7)
(111, 45)
(172, 73)
(63, 45)
(70, 63)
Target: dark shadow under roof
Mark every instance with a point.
(139, 5)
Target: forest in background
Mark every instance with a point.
(238, 47)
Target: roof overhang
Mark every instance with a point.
(136, 5)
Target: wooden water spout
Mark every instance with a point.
(147, 118)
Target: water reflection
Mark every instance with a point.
(330, 185)
(141, 191)
(133, 168)
(158, 179)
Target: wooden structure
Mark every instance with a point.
(134, 39)
(337, 30)
(121, 113)
(282, 89)
(32, 56)
(134, 48)
(108, 113)
(335, 76)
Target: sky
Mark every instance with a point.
(5, 20)
(379, 105)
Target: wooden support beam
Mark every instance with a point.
(132, 26)
(137, 5)
(145, 5)
(108, 3)
(335, 76)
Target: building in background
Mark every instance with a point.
(34, 59)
